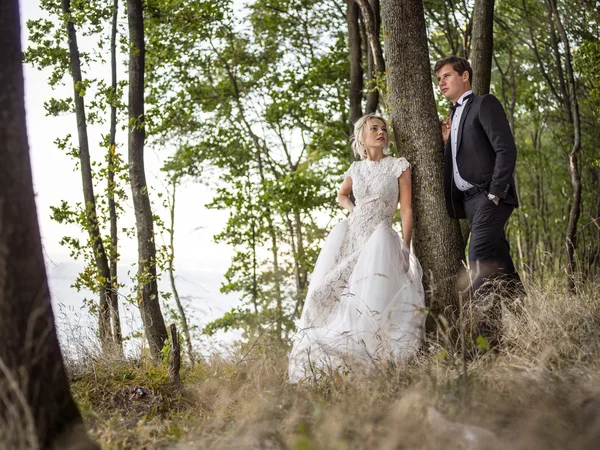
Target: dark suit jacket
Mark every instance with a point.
(486, 154)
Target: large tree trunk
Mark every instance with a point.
(575, 209)
(482, 47)
(36, 410)
(356, 72)
(88, 185)
(437, 239)
(112, 209)
(154, 324)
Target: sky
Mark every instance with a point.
(200, 263)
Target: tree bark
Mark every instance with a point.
(437, 240)
(575, 209)
(482, 46)
(112, 209)
(371, 17)
(175, 360)
(154, 324)
(369, 10)
(301, 254)
(171, 270)
(356, 72)
(37, 409)
(482, 50)
(93, 227)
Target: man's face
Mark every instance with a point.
(451, 83)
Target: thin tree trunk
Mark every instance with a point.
(482, 45)
(575, 209)
(301, 255)
(154, 324)
(356, 72)
(37, 409)
(595, 256)
(184, 322)
(112, 209)
(295, 254)
(269, 215)
(253, 249)
(437, 239)
(88, 184)
(562, 83)
(274, 251)
(371, 17)
(481, 62)
(175, 360)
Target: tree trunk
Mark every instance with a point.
(300, 272)
(154, 324)
(371, 17)
(88, 185)
(482, 50)
(437, 239)
(482, 47)
(112, 209)
(575, 209)
(175, 360)
(184, 322)
(356, 72)
(253, 245)
(37, 410)
(269, 215)
(301, 254)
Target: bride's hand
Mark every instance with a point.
(405, 258)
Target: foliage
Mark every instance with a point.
(267, 110)
(252, 100)
(48, 49)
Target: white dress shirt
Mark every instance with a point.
(458, 180)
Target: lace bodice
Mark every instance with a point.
(375, 188)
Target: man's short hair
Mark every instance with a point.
(458, 63)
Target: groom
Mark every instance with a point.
(479, 161)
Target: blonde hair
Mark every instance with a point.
(358, 138)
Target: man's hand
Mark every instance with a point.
(446, 127)
(494, 198)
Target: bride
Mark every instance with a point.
(365, 302)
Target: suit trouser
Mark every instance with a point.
(489, 250)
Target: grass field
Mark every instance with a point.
(541, 390)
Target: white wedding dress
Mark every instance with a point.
(365, 302)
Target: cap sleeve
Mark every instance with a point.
(401, 165)
(350, 171)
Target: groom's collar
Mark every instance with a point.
(463, 98)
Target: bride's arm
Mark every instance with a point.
(405, 186)
(343, 195)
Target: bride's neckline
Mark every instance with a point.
(377, 162)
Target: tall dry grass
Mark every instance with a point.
(540, 390)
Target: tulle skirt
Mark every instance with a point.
(376, 315)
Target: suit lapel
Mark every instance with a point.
(463, 117)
